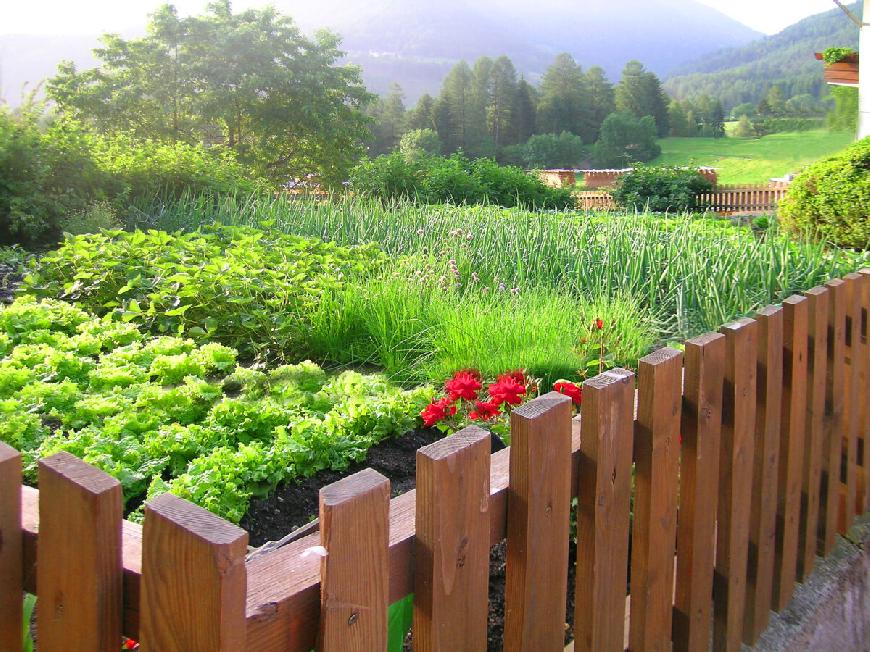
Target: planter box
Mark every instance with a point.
(842, 73)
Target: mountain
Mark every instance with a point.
(415, 42)
(746, 73)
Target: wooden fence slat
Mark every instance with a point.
(762, 526)
(790, 435)
(829, 500)
(11, 570)
(79, 581)
(354, 583)
(604, 491)
(193, 579)
(735, 483)
(851, 397)
(539, 510)
(657, 467)
(814, 430)
(699, 491)
(451, 554)
(863, 356)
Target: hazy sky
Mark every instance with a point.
(98, 16)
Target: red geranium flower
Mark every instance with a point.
(507, 390)
(130, 644)
(437, 411)
(571, 390)
(486, 411)
(519, 376)
(599, 324)
(463, 385)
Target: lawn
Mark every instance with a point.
(753, 160)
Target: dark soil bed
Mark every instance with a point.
(10, 279)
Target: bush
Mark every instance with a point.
(626, 139)
(454, 179)
(831, 198)
(420, 142)
(547, 151)
(661, 189)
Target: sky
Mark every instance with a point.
(99, 16)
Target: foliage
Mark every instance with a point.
(835, 55)
(626, 139)
(241, 287)
(453, 179)
(547, 151)
(831, 198)
(745, 128)
(249, 80)
(660, 189)
(844, 116)
(640, 92)
(165, 414)
(28, 608)
(419, 143)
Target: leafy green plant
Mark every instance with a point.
(831, 199)
(29, 607)
(837, 54)
(660, 189)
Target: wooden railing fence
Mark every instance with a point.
(749, 453)
(723, 199)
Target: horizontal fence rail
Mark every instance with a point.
(726, 467)
(722, 199)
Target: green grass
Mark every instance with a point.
(753, 160)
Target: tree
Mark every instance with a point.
(251, 81)
(602, 100)
(525, 110)
(640, 92)
(455, 108)
(565, 100)
(548, 151)
(678, 119)
(744, 128)
(500, 108)
(390, 118)
(625, 139)
(420, 142)
(422, 116)
(844, 116)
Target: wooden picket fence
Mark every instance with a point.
(749, 453)
(725, 200)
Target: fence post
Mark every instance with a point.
(699, 492)
(354, 575)
(863, 391)
(851, 396)
(791, 442)
(539, 509)
(762, 526)
(79, 576)
(11, 570)
(814, 429)
(604, 492)
(451, 552)
(829, 501)
(657, 467)
(735, 483)
(194, 581)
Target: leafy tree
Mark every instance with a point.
(660, 189)
(565, 100)
(678, 119)
(420, 142)
(250, 81)
(640, 92)
(422, 116)
(747, 109)
(525, 110)
(547, 151)
(602, 100)
(500, 108)
(455, 108)
(744, 127)
(625, 139)
(390, 118)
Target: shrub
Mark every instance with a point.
(831, 198)
(420, 142)
(661, 189)
(836, 55)
(553, 151)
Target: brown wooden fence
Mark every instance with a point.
(749, 456)
(723, 200)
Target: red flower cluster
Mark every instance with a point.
(508, 388)
(484, 411)
(575, 392)
(599, 324)
(130, 644)
(438, 411)
(464, 385)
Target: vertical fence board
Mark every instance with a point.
(851, 397)
(657, 466)
(762, 527)
(451, 554)
(699, 491)
(11, 570)
(792, 489)
(829, 500)
(79, 581)
(354, 575)
(863, 356)
(194, 581)
(604, 491)
(814, 431)
(539, 509)
(735, 483)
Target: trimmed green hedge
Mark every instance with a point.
(831, 198)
